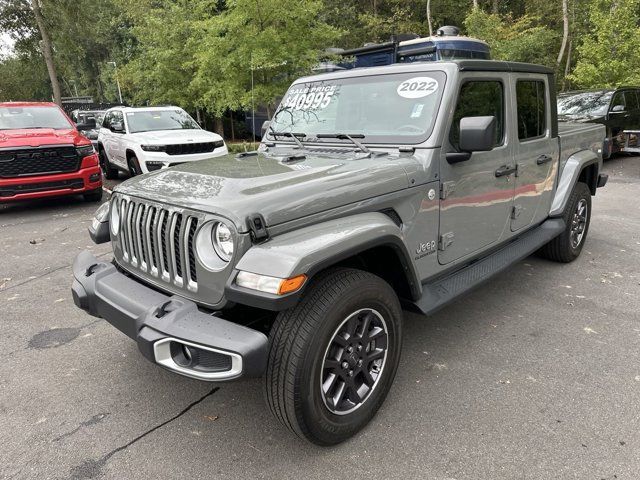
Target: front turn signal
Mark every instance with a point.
(289, 285)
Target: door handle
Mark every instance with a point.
(542, 159)
(505, 170)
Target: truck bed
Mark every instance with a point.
(575, 137)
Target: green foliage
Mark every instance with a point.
(24, 77)
(609, 54)
(272, 41)
(522, 40)
(200, 54)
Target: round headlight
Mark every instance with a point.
(223, 241)
(114, 218)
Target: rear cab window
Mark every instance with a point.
(531, 104)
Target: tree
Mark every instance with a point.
(46, 51)
(271, 41)
(523, 39)
(609, 54)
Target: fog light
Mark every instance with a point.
(153, 166)
(94, 177)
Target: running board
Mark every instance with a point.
(438, 293)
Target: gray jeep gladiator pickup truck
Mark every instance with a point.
(374, 188)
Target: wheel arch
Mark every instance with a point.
(370, 241)
(582, 166)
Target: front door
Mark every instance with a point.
(618, 117)
(475, 202)
(537, 153)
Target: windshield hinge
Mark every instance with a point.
(258, 228)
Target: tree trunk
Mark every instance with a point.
(46, 51)
(495, 9)
(218, 126)
(475, 4)
(565, 30)
(233, 130)
(429, 17)
(567, 67)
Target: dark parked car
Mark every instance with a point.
(86, 117)
(618, 110)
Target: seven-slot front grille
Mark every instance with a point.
(34, 161)
(191, 148)
(159, 241)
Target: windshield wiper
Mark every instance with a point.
(293, 135)
(344, 136)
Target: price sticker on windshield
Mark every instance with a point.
(417, 87)
(305, 98)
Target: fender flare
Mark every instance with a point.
(312, 249)
(574, 166)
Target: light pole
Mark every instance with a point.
(117, 81)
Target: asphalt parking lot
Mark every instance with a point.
(536, 375)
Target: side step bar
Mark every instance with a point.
(438, 293)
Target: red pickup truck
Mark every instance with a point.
(42, 154)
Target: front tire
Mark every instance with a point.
(333, 357)
(109, 172)
(567, 246)
(134, 166)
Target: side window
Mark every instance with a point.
(618, 99)
(106, 123)
(631, 99)
(532, 109)
(117, 118)
(477, 99)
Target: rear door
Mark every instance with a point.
(536, 151)
(476, 203)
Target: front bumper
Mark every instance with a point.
(159, 160)
(86, 179)
(167, 328)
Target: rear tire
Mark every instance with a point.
(94, 196)
(109, 172)
(333, 357)
(567, 246)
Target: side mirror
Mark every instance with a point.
(265, 127)
(477, 134)
(618, 109)
(117, 127)
(90, 124)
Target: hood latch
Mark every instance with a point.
(258, 228)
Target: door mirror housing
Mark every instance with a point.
(477, 134)
(117, 127)
(618, 109)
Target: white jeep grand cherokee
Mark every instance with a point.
(141, 140)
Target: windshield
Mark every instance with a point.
(152, 120)
(591, 104)
(12, 118)
(84, 117)
(395, 108)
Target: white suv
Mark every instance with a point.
(141, 140)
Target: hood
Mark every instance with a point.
(170, 137)
(40, 136)
(236, 187)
